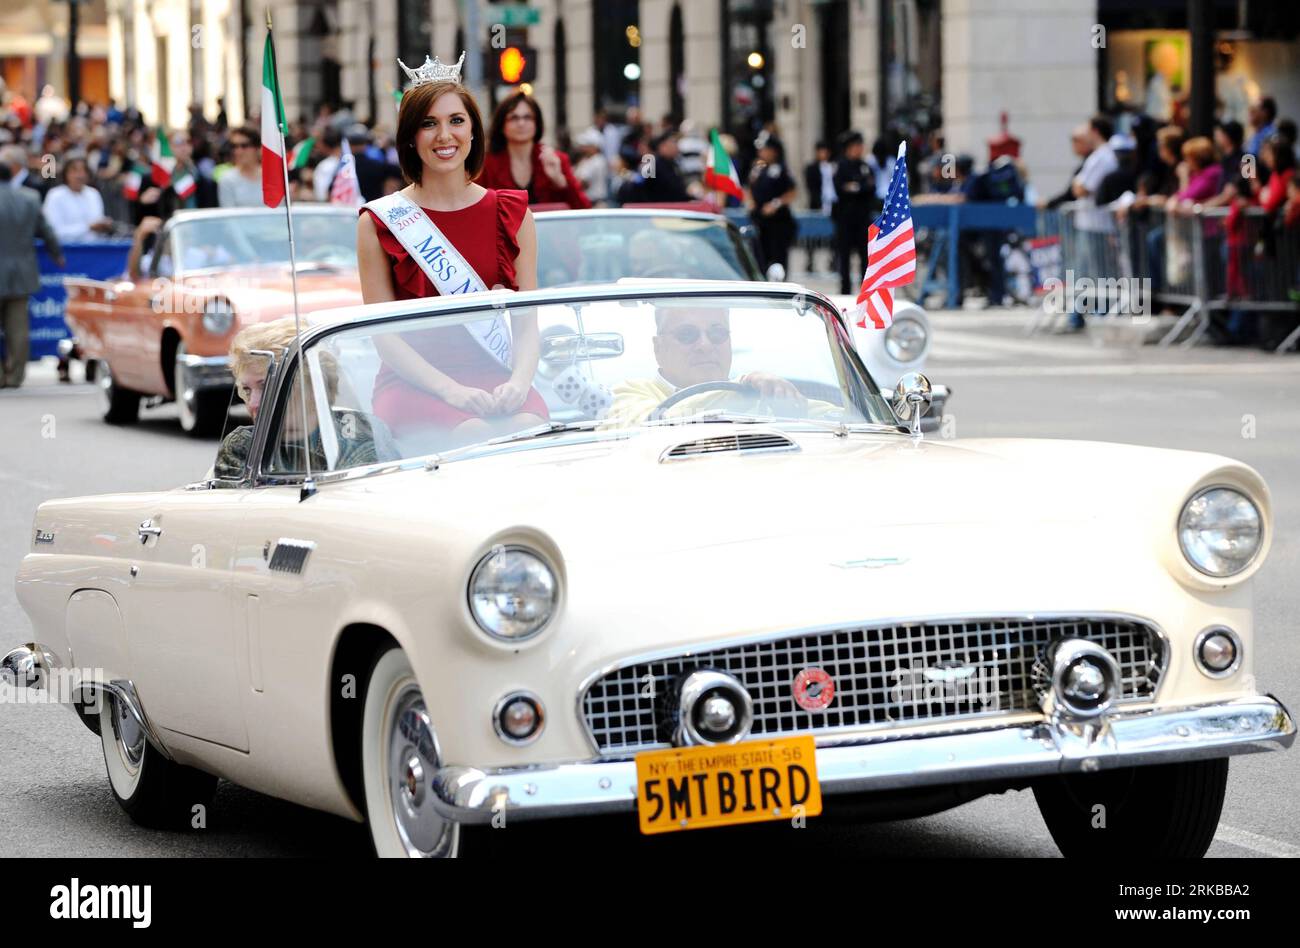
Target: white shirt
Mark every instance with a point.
(323, 175)
(234, 190)
(592, 173)
(1096, 166)
(71, 213)
(828, 186)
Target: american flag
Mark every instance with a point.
(344, 189)
(891, 252)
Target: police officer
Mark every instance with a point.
(772, 191)
(855, 198)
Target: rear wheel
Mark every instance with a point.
(121, 406)
(399, 756)
(1167, 810)
(202, 411)
(153, 790)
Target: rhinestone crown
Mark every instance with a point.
(432, 71)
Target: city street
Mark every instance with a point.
(55, 799)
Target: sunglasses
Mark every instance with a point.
(689, 335)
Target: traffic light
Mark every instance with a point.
(516, 64)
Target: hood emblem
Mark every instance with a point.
(814, 689)
(871, 562)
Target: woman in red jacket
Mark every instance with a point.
(517, 159)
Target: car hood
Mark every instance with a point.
(620, 496)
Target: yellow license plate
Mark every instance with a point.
(698, 787)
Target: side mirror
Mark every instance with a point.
(776, 273)
(911, 400)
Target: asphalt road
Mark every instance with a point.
(54, 796)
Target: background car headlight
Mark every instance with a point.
(512, 593)
(1219, 531)
(218, 317)
(905, 340)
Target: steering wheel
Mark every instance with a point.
(692, 390)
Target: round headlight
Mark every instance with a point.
(218, 317)
(512, 594)
(1220, 530)
(905, 340)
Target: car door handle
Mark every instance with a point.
(147, 530)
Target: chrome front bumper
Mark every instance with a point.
(203, 372)
(1243, 726)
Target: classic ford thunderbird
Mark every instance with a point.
(699, 593)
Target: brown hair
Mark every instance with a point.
(1199, 151)
(1171, 137)
(497, 136)
(415, 108)
(252, 134)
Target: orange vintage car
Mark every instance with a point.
(165, 335)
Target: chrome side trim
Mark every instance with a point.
(1136, 738)
(712, 644)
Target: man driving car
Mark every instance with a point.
(692, 346)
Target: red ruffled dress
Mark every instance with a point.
(485, 234)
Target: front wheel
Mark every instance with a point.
(153, 790)
(1162, 811)
(399, 755)
(120, 406)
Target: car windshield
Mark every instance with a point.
(600, 248)
(420, 385)
(259, 238)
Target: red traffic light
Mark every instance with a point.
(512, 63)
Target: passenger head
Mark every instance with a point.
(276, 336)
(517, 120)
(693, 344)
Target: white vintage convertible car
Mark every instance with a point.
(726, 581)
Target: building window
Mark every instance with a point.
(616, 25)
(677, 65)
(561, 77)
(414, 36)
(747, 60)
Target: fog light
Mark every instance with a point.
(714, 708)
(1218, 651)
(1085, 679)
(519, 718)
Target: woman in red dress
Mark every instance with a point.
(517, 158)
(442, 378)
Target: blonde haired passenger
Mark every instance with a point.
(362, 440)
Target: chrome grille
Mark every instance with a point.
(908, 673)
(749, 443)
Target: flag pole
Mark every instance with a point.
(308, 482)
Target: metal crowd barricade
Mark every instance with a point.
(1198, 260)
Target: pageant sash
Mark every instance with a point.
(444, 265)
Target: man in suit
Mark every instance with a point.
(21, 222)
(855, 198)
(14, 157)
(375, 177)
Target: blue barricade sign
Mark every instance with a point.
(98, 261)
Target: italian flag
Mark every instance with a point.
(161, 160)
(720, 173)
(185, 185)
(132, 182)
(301, 152)
(272, 130)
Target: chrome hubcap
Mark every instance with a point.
(412, 760)
(104, 383)
(129, 736)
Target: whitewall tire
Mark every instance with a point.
(400, 756)
(153, 790)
